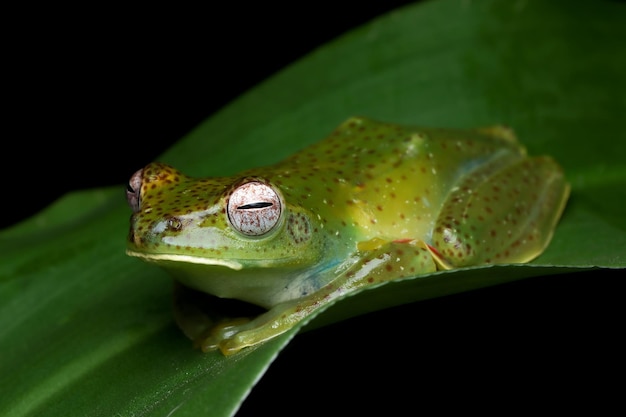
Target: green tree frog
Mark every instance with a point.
(372, 202)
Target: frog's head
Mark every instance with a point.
(230, 222)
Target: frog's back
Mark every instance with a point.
(364, 151)
(384, 178)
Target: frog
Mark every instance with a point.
(373, 202)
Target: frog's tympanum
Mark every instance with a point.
(373, 202)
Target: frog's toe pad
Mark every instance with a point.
(221, 335)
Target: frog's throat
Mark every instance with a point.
(159, 257)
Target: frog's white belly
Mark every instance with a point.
(263, 283)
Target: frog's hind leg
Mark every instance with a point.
(506, 215)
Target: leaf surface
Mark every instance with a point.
(87, 329)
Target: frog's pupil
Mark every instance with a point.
(254, 205)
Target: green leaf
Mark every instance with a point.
(83, 328)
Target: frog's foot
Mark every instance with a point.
(218, 336)
(208, 320)
(230, 336)
(214, 323)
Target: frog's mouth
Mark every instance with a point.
(169, 257)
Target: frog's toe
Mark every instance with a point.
(237, 341)
(206, 344)
(219, 334)
(231, 346)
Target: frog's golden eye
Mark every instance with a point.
(254, 208)
(133, 191)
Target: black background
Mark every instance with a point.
(91, 95)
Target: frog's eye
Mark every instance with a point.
(133, 191)
(254, 208)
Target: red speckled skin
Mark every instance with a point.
(372, 202)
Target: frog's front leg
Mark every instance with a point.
(374, 262)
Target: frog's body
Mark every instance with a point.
(372, 202)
